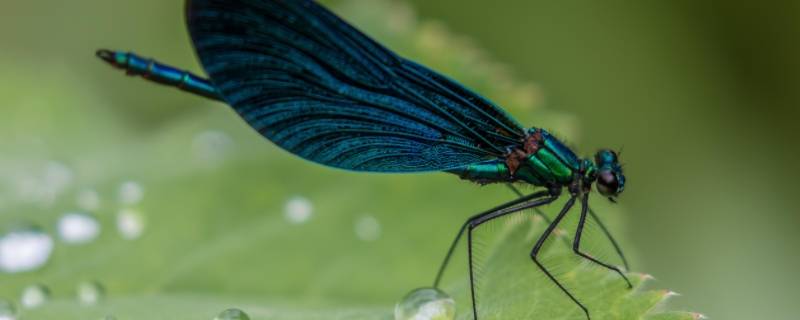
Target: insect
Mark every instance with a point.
(319, 88)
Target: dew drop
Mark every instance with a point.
(7, 310)
(108, 317)
(88, 200)
(131, 192)
(130, 224)
(90, 292)
(232, 314)
(298, 210)
(78, 228)
(426, 304)
(34, 296)
(24, 249)
(367, 228)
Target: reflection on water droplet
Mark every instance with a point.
(24, 249)
(368, 228)
(77, 228)
(90, 292)
(211, 147)
(232, 314)
(34, 296)
(131, 192)
(426, 304)
(130, 224)
(88, 200)
(298, 210)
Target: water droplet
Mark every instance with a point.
(34, 296)
(109, 317)
(24, 249)
(78, 228)
(131, 192)
(130, 224)
(298, 210)
(232, 314)
(368, 228)
(88, 200)
(7, 310)
(211, 147)
(90, 292)
(426, 304)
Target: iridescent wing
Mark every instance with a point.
(319, 88)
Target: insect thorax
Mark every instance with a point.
(540, 160)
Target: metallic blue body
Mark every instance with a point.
(317, 87)
(161, 73)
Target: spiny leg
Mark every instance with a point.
(480, 216)
(474, 223)
(610, 238)
(576, 245)
(540, 243)
(537, 211)
(519, 194)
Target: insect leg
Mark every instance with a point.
(540, 243)
(474, 223)
(519, 194)
(514, 189)
(576, 245)
(480, 216)
(537, 211)
(610, 238)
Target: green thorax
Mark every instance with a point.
(551, 164)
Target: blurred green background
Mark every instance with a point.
(702, 97)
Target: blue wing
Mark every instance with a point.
(319, 88)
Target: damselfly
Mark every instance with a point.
(317, 87)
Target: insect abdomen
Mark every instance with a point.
(154, 71)
(484, 172)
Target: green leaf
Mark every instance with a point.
(510, 286)
(215, 193)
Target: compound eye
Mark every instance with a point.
(607, 183)
(614, 156)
